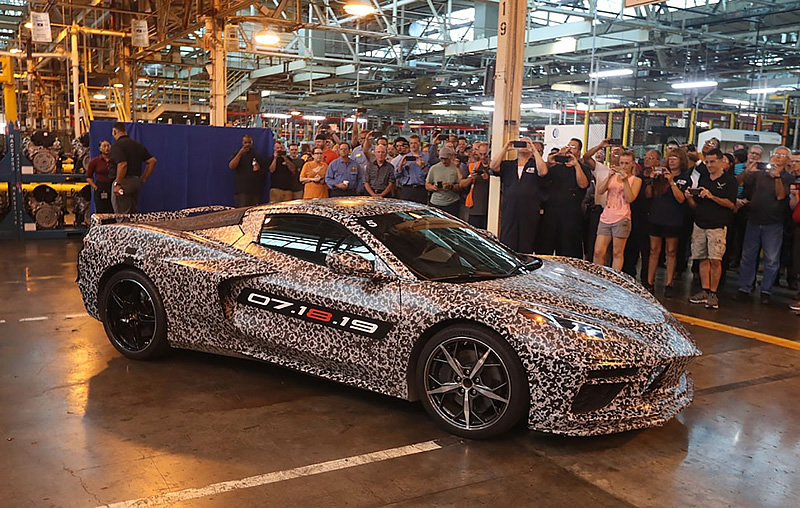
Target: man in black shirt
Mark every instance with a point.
(713, 202)
(249, 174)
(567, 180)
(768, 203)
(285, 176)
(125, 169)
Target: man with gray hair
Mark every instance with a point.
(444, 182)
(770, 190)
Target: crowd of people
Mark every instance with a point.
(722, 210)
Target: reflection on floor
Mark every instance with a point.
(82, 426)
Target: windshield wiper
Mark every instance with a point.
(533, 264)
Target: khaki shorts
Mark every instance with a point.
(279, 195)
(619, 229)
(708, 243)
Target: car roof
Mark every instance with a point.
(356, 206)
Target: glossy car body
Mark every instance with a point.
(599, 353)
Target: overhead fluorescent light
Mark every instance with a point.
(606, 100)
(523, 129)
(202, 99)
(280, 116)
(610, 73)
(487, 103)
(694, 84)
(736, 102)
(530, 106)
(314, 118)
(294, 112)
(15, 50)
(362, 71)
(582, 107)
(545, 111)
(767, 90)
(265, 93)
(99, 97)
(352, 119)
(416, 122)
(486, 109)
(663, 99)
(118, 85)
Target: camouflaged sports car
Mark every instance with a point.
(398, 298)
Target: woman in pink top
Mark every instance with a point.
(622, 187)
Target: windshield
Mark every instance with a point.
(436, 247)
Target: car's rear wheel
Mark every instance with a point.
(472, 382)
(133, 315)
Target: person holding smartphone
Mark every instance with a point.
(622, 187)
(764, 230)
(522, 189)
(477, 181)
(566, 183)
(667, 212)
(713, 201)
(444, 182)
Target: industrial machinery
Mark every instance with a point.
(43, 149)
(82, 205)
(80, 153)
(45, 206)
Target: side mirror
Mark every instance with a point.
(349, 263)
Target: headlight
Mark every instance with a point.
(591, 331)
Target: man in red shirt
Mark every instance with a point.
(97, 177)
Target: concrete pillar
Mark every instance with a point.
(507, 89)
(217, 73)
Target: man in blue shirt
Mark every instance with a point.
(344, 176)
(411, 168)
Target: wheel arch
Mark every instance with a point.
(426, 336)
(115, 268)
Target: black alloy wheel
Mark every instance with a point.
(133, 315)
(472, 382)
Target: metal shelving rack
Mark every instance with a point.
(18, 224)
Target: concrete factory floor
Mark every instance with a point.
(80, 425)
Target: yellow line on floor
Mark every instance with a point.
(742, 332)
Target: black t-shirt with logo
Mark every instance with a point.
(708, 214)
(562, 185)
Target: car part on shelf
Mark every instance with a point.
(80, 153)
(45, 206)
(82, 205)
(43, 150)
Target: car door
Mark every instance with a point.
(307, 316)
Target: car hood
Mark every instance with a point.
(599, 294)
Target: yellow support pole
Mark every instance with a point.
(625, 123)
(692, 119)
(9, 88)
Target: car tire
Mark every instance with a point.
(475, 404)
(133, 315)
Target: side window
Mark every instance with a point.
(309, 238)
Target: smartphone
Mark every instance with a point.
(694, 191)
(615, 142)
(410, 158)
(562, 158)
(764, 166)
(519, 144)
(361, 110)
(439, 185)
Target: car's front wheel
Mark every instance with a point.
(133, 315)
(472, 382)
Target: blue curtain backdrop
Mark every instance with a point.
(192, 168)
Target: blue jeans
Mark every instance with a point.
(769, 237)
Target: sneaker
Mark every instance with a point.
(713, 301)
(766, 298)
(795, 306)
(741, 296)
(699, 297)
(669, 291)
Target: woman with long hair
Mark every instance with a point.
(622, 187)
(667, 213)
